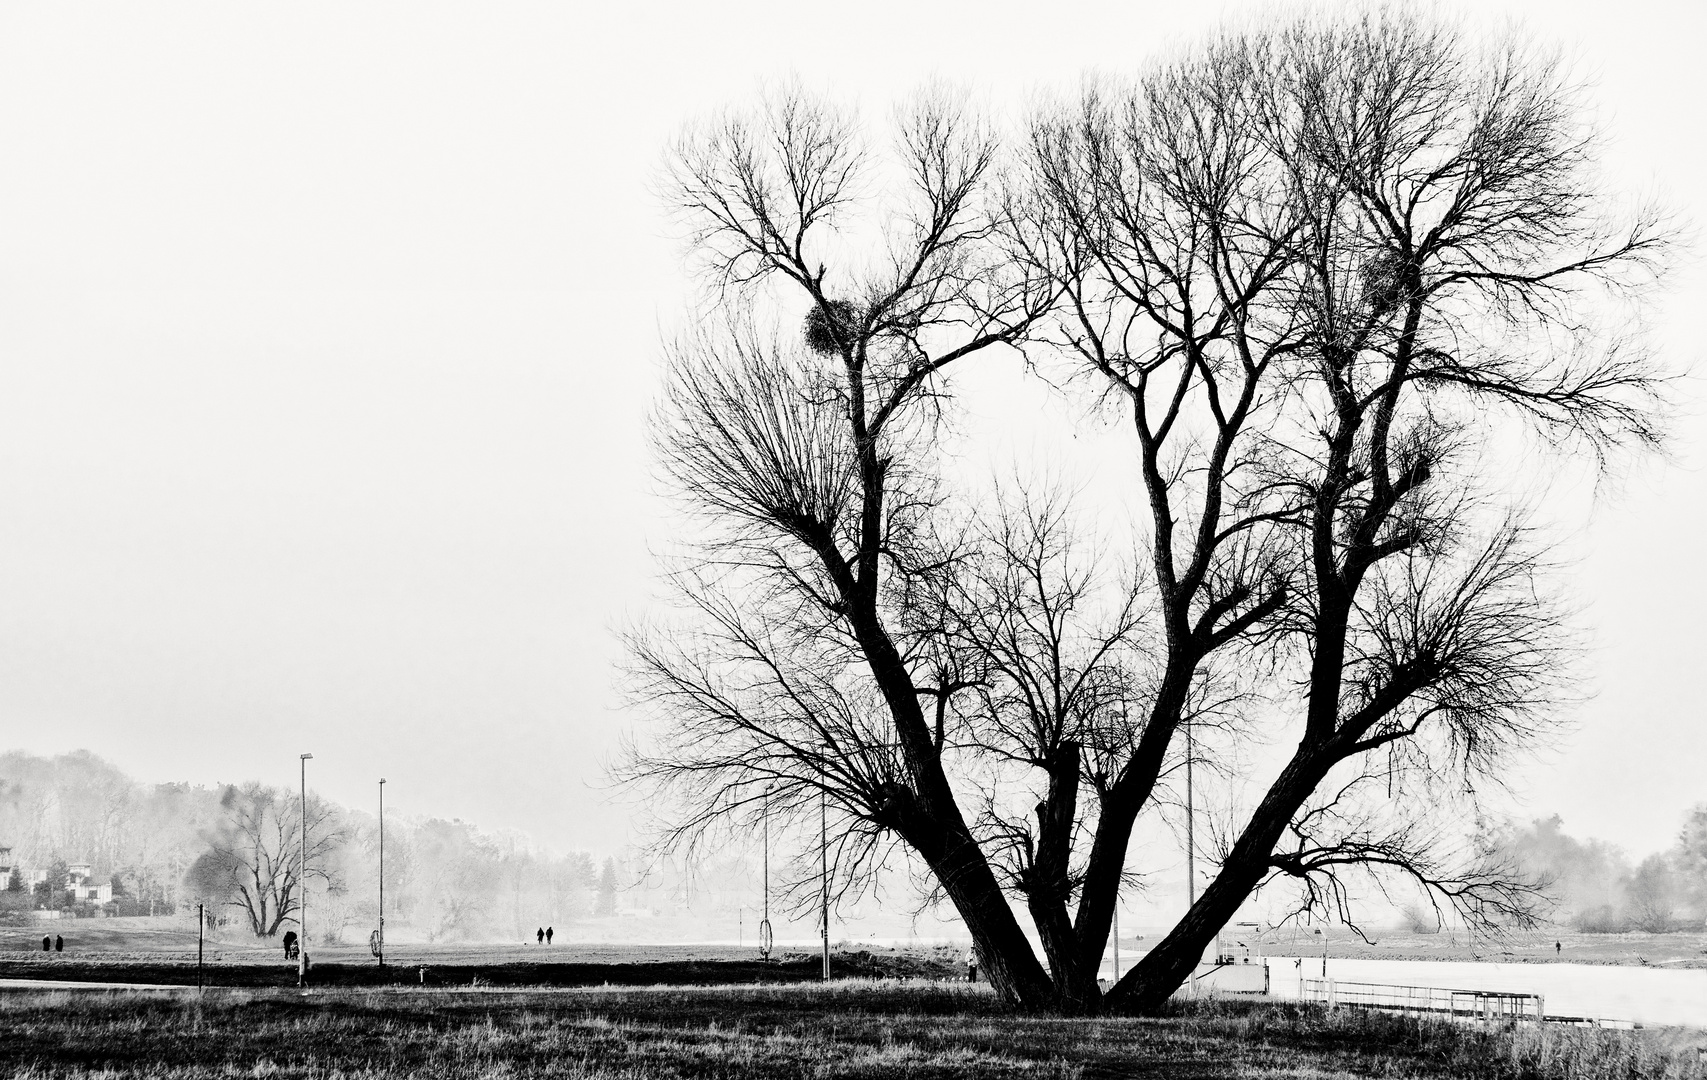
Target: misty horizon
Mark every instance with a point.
(331, 343)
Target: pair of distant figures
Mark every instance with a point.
(291, 946)
(543, 936)
(53, 944)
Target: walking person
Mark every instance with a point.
(539, 935)
(548, 935)
(58, 943)
(46, 944)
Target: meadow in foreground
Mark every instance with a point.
(846, 1030)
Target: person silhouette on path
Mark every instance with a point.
(1557, 947)
(548, 935)
(46, 943)
(58, 943)
(539, 935)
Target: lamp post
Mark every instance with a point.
(824, 873)
(382, 871)
(765, 934)
(1190, 842)
(1190, 836)
(302, 909)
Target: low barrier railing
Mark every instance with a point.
(1459, 1004)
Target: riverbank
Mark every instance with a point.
(1675, 950)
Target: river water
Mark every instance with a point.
(1645, 995)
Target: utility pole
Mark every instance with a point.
(824, 873)
(1190, 843)
(765, 935)
(302, 906)
(382, 872)
(1117, 883)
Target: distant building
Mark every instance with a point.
(77, 879)
(77, 883)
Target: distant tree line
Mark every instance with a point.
(1595, 888)
(77, 808)
(163, 848)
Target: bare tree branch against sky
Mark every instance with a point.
(327, 336)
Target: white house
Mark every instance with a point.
(77, 883)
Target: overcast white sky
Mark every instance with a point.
(327, 331)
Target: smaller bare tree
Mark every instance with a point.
(255, 859)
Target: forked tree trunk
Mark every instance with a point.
(1147, 987)
(1074, 972)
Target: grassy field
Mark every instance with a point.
(100, 953)
(847, 1030)
(533, 971)
(176, 937)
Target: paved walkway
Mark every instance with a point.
(69, 984)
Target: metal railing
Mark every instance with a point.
(1493, 1005)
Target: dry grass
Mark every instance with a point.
(851, 1030)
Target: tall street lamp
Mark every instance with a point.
(302, 910)
(765, 938)
(382, 871)
(1190, 843)
(824, 872)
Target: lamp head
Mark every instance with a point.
(305, 757)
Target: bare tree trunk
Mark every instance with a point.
(1048, 888)
(1166, 967)
(930, 820)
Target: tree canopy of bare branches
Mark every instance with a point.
(1327, 272)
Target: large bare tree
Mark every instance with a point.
(1327, 271)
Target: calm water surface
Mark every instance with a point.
(1647, 995)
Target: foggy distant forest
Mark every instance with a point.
(1597, 889)
(163, 848)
